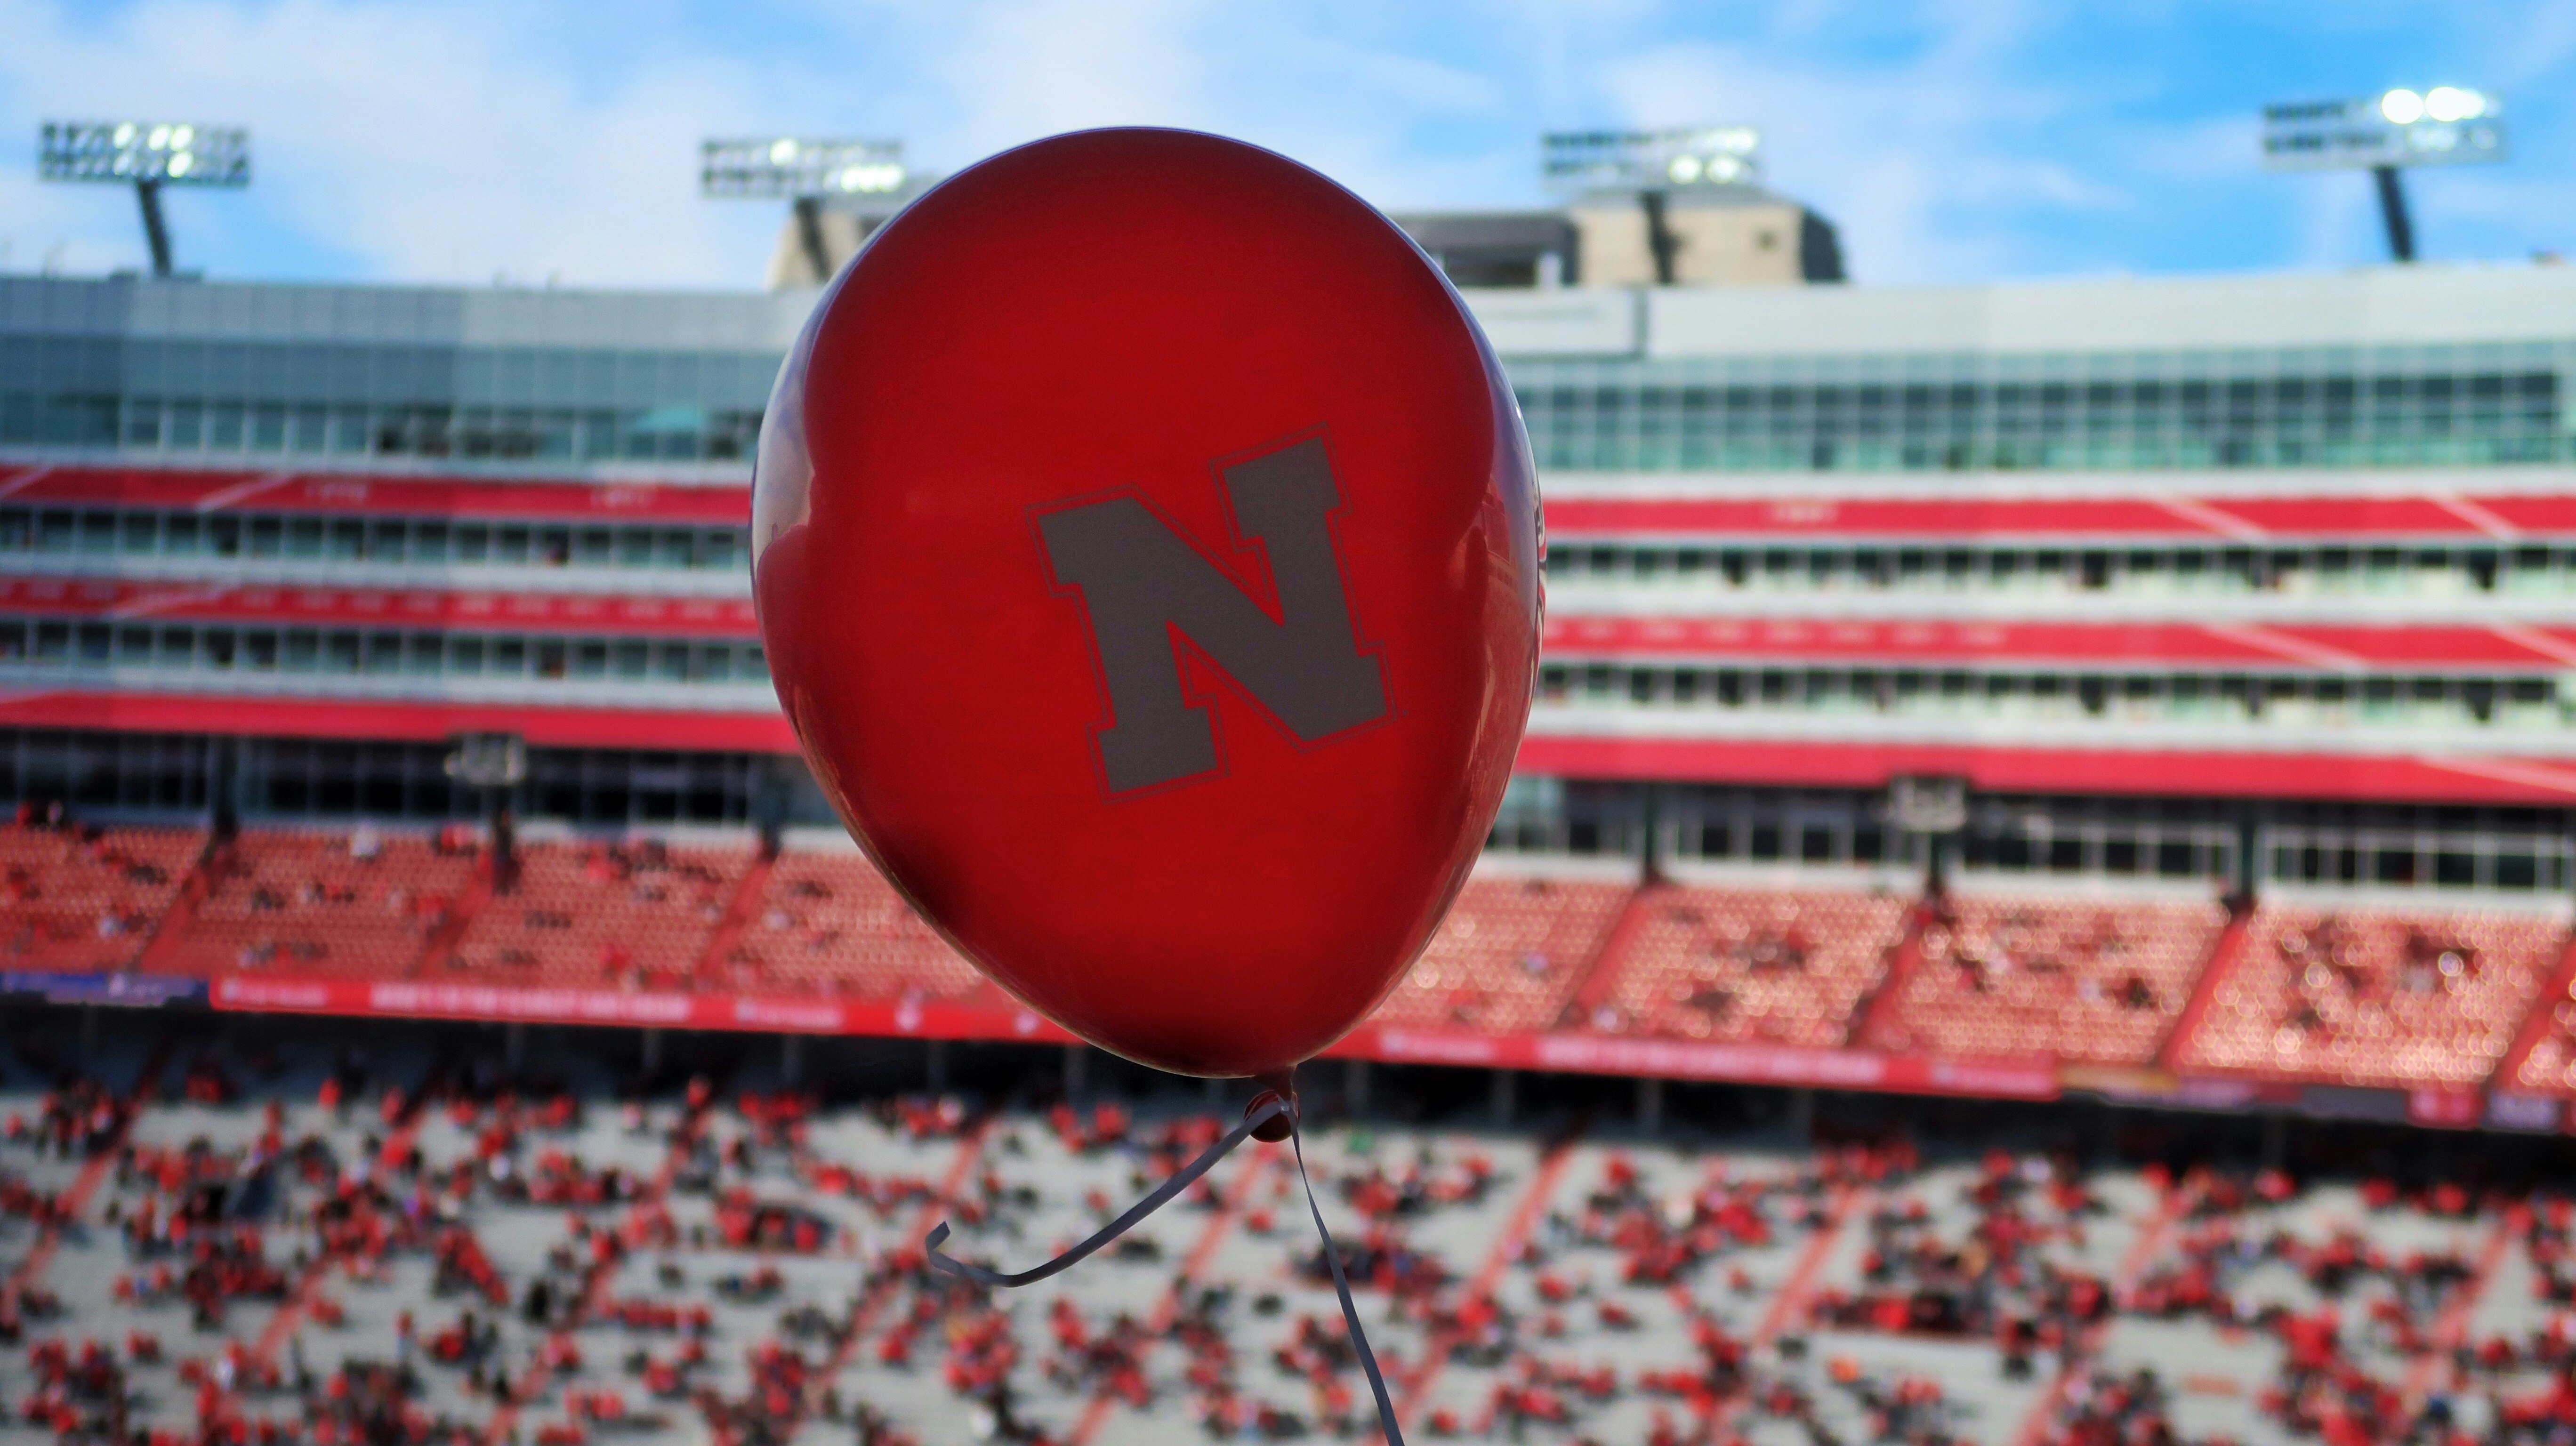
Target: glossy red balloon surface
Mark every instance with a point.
(1046, 446)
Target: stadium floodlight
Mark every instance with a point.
(2447, 125)
(146, 155)
(794, 167)
(1652, 166)
(805, 172)
(1690, 158)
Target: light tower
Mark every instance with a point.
(864, 178)
(147, 155)
(1653, 166)
(2444, 126)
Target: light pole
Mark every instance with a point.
(2444, 126)
(863, 175)
(147, 155)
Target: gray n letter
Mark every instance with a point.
(1141, 581)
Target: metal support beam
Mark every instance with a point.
(652, 1051)
(938, 1066)
(2392, 209)
(514, 1045)
(1802, 1115)
(1660, 239)
(791, 1059)
(1076, 1071)
(1355, 1086)
(809, 232)
(155, 233)
(1650, 1104)
(1506, 1096)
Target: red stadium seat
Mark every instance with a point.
(2367, 997)
(1743, 965)
(1509, 956)
(604, 916)
(2099, 982)
(359, 904)
(87, 900)
(827, 922)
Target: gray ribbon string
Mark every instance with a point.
(1162, 1195)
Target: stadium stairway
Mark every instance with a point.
(2222, 959)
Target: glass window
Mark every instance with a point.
(182, 534)
(178, 647)
(465, 656)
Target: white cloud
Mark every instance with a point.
(451, 139)
(431, 141)
(1924, 164)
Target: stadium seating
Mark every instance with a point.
(2370, 997)
(298, 1242)
(1509, 956)
(2096, 981)
(1775, 967)
(827, 922)
(86, 900)
(363, 903)
(604, 916)
(2547, 1065)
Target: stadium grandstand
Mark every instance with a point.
(2129, 715)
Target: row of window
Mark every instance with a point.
(2431, 405)
(2378, 845)
(676, 434)
(295, 779)
(374, 373)
(350, 652)
(1841, 567)
(2286, 699)
(1640, 431)
(422, 541)
(2074, 412)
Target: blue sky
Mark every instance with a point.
(464, 140)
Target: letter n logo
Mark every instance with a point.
(1147, 588)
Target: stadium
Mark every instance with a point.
(2034, 905)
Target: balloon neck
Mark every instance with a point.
(1281, 1086)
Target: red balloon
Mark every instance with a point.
(1146, 549)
